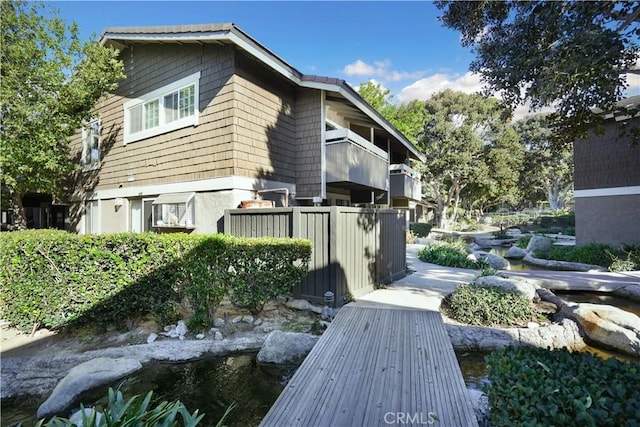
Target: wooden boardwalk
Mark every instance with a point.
(377, 367)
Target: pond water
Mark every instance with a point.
(514, 264)
(210, 385)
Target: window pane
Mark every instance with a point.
(91, 144)
(151, 114)
(187, 98)
(171, 107)
(135, 117)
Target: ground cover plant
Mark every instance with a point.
(449, 254)
(488, 306)
(625, 258)
(536, 387)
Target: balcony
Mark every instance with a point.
(352, 159)
(404, 182)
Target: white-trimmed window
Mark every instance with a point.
(91, 145)
(169, 108)
(175, 210)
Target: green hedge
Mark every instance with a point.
(55, 279)
(420, 229)
(536, 387)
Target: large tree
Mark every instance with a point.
(458, 129)
(407, 118)
(547, 172)
(568, 55)
(51, 81)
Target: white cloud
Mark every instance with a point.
(424, 89)
(469, 82)
(633, 82)
(379, 69)
(359, 68)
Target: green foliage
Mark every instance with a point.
(50, 84)
(534, 387)
(420, 229)
(628, 259)
(133, 412)
(450, 255)
(459, 133)
(262, 269)
(595, 254)
(547, 173)
(559, 221)
(523, 242)
(55, 279)
(500, 235)
(552, 66)
(488, 306)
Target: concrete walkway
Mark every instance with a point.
(424, 289)
(430, 283)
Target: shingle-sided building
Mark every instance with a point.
(607, 182)
(208, 118)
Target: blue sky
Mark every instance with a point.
(395, 43)
(400, 45)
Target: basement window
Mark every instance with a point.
(174, 210)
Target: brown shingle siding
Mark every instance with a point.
(607, 160)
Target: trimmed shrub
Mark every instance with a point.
(449, 254)
(262, 269)
(536, 387)
(488, 306)
(559, 221)
(59, 280)
(420, 229)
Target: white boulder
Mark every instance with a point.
(83, 377)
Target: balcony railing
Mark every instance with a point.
(351, 158)
(404, 182)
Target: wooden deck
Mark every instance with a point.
(377, 367)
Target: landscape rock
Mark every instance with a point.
(566, 333)
(286, 347)
(181, 329)
(248, 319)
(539, 243)
(219, 322)
(217, 336)
(83, 377)
(493, 260)
(200, 336)
(303, 305)
(76, 417)
(631, 292)
(522, 287)
(257, 322)
(236, 320)
(151, 338)
(480, 403)
(561, 265)
(607, 325)
(515, 252)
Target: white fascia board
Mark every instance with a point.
(213, 184)
(610, 191)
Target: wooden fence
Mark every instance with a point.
(354, 250)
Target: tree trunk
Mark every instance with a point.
(19, 219)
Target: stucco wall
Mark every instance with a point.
(612, 220)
